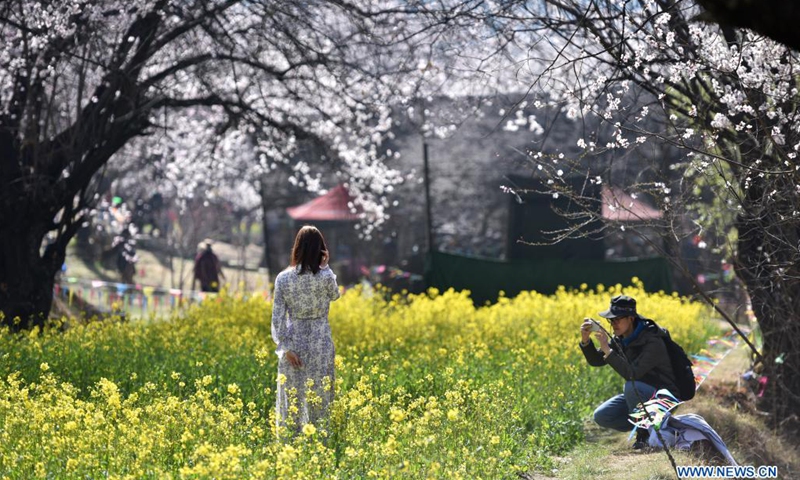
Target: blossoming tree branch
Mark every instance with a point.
(81, 82)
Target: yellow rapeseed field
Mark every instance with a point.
(427, 386)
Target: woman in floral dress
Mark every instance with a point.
(300, 328)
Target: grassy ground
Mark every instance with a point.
(723, 402)
(154, 269)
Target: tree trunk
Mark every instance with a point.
(773, 18)
(26, 275)
(265, 258)
(768, 264)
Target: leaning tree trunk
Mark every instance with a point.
(768, 262)
(27, 273)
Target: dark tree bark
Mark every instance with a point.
(26, 276)
(767, 262)
(39, 215)
(776, 19)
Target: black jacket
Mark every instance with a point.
(647, 354)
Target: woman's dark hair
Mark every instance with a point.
(307, 250)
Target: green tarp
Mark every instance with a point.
(485, 278)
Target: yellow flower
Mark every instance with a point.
(430, 373)
(397, 415)
(309, 429)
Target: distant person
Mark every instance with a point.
(300, 329)
(638, 353)
(125, 247)
(126, 264)
(207, 269)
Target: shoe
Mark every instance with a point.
(642, 436)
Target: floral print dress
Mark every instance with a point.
(300, 325)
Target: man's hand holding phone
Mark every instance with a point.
(587, 327)
(599, 333)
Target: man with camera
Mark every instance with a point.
(637, 352)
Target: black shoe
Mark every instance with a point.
(642, 436)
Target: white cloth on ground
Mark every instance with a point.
(680, 431)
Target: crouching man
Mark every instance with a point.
(638, 353)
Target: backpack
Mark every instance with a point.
(681, 366)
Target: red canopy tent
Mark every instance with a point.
(334, 206)
(332, 212)
(619, 206)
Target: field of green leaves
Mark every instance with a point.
(427, 386)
